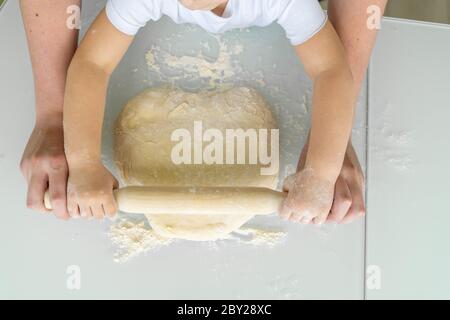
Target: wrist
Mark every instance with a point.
(49, 119)
(324, 171)
(82, 159)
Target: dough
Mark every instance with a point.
(143, 149)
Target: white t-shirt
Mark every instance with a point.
(301, 19)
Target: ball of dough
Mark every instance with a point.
(143, 149)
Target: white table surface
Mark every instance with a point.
(408, 219)
(313, 263)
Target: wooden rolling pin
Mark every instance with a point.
(196, 200)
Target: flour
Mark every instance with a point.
(198, 66)
(259, 237)
(392, 147)
(134, 238)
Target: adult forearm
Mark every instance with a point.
(349, 18)
(52, 45)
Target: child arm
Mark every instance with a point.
(90, 184)
(98, 55)
(333, 101)
(311, 191)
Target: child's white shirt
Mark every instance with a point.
(301, 19)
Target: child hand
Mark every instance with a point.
(309, 198)
(90, 192)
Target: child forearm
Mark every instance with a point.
(83, 111)
(324, 59)
(98, 55)
(332, 118)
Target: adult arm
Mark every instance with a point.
(52, 45)
(349, 18)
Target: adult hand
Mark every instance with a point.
(44, 166)
(348, 203)
(52, 46)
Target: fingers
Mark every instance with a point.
(72, 204)
(348, 204)
(73, 209)
(357, 208)
(104, 207)
(97, 211)
(296, 212)
(300, 214)
(309, 198)
(342, 201)
(92, 207)
(110, 209)
(306, 220)
(320, 219)
(91, 190)
(285, 211)
(85, 211)
(58, 193)
(37, 186)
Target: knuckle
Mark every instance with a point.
(36, 159)
(23, 165)
(31, 204)
(357, 173)
(58, 197)
(360, 211)
(72, 200)
(59, 206)
(86, 195)
(346, 201)
(57, 161)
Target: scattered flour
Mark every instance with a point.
(225, 67)
(259, 237)
(133, 238)
(392, 146)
